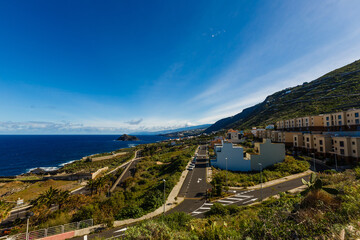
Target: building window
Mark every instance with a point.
(320, 142)
(341, 143)
(340, 123)
(327, 118)
(357, 121)
(357, 114)
(342, 152)
(339, 117)
(321, 149)
(353, 143)
(327, 124)
(307, 139)
(354, 151)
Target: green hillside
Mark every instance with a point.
(335, 91)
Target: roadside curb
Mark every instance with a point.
(274, 182)
(277, 196)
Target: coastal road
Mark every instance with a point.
(246, 197)
(195, 185)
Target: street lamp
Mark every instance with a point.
(261, 191)
(314, 162)
(336, 162)
(164, 197)
(226, 171)
(28, 215)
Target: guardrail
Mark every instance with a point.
(51, 231)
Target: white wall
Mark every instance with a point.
(235, 158)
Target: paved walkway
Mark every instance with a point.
(171, 202)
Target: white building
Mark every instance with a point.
(232, 158)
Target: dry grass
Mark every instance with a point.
(28, 191)
(320, 200)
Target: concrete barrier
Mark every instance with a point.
(85, 231)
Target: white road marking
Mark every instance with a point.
(245, 196)
(224, 201)
(208, 204)
(120, 230)
(194, 212)
(236, 199)
(251, 200)
(204, 208)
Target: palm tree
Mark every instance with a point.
(47, 198)
(62, 198)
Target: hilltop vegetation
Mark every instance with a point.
(335, 91)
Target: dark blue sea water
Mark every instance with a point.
(21, 153)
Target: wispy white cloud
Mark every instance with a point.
(134, 122)
(231, 90)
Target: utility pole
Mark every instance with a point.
(226, 171)
(314, 162)
(336, 167)
(28, 215)
(164, 197)
(261, 191)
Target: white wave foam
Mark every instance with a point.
(47, 169)
(63, 164)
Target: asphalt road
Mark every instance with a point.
(195, 185)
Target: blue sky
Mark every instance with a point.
(127, 66)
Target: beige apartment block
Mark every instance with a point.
(355, 147)
(280, 137)
(306, 121)
(334, 119)
(293, 122)
(322, 143)
(353, 117)
(298, 140)
(317, 121)
(298, 122)
(280, 124)
(308, 141)
(275, 136)
(288, 137)
(341, 146)
(287, 123)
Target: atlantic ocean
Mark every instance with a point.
(21, 153)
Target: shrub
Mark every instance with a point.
(176, 220)
(129, 212)
(217, 209)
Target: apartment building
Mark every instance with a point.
(275, 136)
(298, 122)
(317, 121)
(293, 123)
(280, 124)
(298, 140)
(322, 144)
(306, 121)
(308, 141)
(335, 119)
(233, 136)
(353, 117)
(287, 123)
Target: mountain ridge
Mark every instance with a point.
(335, 91)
